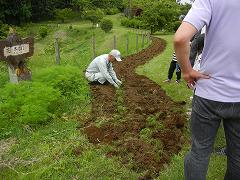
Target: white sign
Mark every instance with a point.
(16, 50)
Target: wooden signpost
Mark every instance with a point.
(14, 50)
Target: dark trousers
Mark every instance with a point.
(174, 66)
(205, 120)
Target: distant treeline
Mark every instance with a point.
(17, 12)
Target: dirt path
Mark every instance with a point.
(141, 124)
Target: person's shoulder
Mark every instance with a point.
(103, 56)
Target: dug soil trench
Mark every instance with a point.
(140, 123)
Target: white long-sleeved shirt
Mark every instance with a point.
(103, 65)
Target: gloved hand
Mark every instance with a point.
(118, 82)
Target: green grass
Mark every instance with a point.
(157, 70)
(58, 150)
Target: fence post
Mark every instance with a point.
(115, 42)
(94, 46)
(137, 42)
(127, 44)
(142, 40)
(57, 51)
(149, 36)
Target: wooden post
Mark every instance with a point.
(94, 46)
(12, 75)
(149, 36)
(127, 44)
(57, 51)
(142, 40)
(137, 42)
(115, 42)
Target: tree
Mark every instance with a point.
(160, 15)
(81, 5)
(63, 14)
(106, 25)
(94, 16)
(15, 12)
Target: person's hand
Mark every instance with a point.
(115, 85)
(192, 77)
(118, 82)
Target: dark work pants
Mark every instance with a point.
(174, 66)
(205, 120)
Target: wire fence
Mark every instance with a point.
(141, 40)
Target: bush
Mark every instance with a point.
(63, 14)
(94, 15)
(43, 32)
(106, 25)
(133, 23)
(71, 84)
(111, 11)
(26, 104)
(3, 30)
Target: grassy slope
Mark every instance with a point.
(157, 70)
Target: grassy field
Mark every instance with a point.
(58, 148)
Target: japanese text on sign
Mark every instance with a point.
(16, 50)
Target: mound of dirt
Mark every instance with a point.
(142, 124)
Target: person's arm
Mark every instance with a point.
(103, 69)
(182, 49)
(113, 75)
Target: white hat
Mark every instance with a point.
(116, 54)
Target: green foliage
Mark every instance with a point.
(26, 104)
(60, 151)
(146, 134)
(63, 14)
(133, 23)
(159, 15)
(94, 15)
(3, 30)
(111, 11)
(43, 31)
(12, 12)
(4, 74)
(185, 8)
(106, 25)
(71, 84)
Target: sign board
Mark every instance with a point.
(14, 50)
(23, 48)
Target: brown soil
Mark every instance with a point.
(124, 117)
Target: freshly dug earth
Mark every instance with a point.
(143, 126)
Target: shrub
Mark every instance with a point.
(3, 30)
(43, 32)
(133, 23)
(111, 11)
(25, 104)
(106, 25)
(71, 84)
(63, 14)
(94, 15)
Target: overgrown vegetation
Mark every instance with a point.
(106, 25)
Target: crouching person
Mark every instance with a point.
(100, 70)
